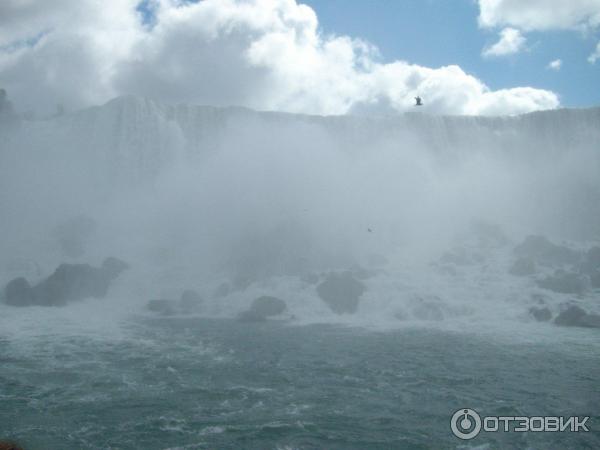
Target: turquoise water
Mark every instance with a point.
(220, 384)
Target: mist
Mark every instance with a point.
(194, 196)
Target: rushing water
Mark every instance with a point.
(202, 383)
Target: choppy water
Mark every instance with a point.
(217, 383)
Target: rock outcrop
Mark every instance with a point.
(541, 314)
(574, 316)
(563, 282)
(68, 283)
(542, 251)
(190, 303)
(341, 292)
(263, 308)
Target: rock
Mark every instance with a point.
(162, 306)
(341, 292)
(190, 301)
(18, 292)
(574, 316)
(262, 308)
(540, 249)
(522, 267)
(69, 282)
(563, 282)
(113, 267)
(540, 314)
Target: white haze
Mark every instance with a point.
(195, 196)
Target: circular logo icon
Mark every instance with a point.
(465, 424)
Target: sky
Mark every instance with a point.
(435, 33)
(475, 57)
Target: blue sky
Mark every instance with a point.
(436, 33)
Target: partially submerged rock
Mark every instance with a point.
(162, 306)
(541, 314)
(263, 308)
(19, 292)
(574, 316)
(68, 283)
(341, 292)
(540, 249)
(190, 301)
(563, 282)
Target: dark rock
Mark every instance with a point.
(69, 282)
(113, 267)
(341, 292)
(18, 292)
(190, 301)
(162, 306)
(540, 314)
(574, 316)
(262, 308)
(563, 282)
(522, 267)
(540, 249)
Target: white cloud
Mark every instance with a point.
(511, 41)
(539, 15)
(595, 55)
(264, 54)
(555, 65)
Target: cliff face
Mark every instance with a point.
(543, 167)
(140, 134)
